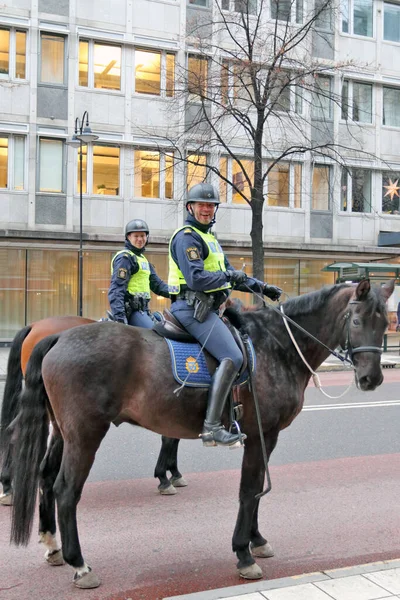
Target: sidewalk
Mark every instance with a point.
(373, 581)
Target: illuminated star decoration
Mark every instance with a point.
(392, 189)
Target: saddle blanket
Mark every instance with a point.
(189, 365)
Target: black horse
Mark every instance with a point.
(89, 377)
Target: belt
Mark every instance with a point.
(187, 295)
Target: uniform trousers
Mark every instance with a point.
(212, 333)
(141, 318)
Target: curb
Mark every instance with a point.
(261, 586)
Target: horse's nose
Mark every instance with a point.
(368, 383)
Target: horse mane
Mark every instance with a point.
(240, 316)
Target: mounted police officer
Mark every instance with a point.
(132, 279)
(200, 280)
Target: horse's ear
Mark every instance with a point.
(362, 289)
(387, 289)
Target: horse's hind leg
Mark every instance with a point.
(168, 461)
(259, 546)
(78, 457)
(47, 518)
(5, 479)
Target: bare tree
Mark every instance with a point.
(257, 90)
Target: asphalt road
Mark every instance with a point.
(334, 502)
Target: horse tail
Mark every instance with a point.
(31, 432)
(13, 386)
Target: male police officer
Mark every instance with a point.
(200, 279)
(132, 278)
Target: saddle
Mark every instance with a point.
(171, 329)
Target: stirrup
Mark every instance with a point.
(218, 436)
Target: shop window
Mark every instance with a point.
(12, 292)
(52, 58)
(51, 163)
(12, 54)
(99, 65)
(155, 72)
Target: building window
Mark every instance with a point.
(391, 107)
(154, 174)
(284, 185)
(390, 193)
(356, 190)
(197, 76)
(154, 72)
(52, 58)
(285, 95)
(223, 186)
(357, 17)
(202, 3)
(241, 185)
(196, 171)
(391, 22)
(99, 65)
(100, 170)
(323, 12)
(356, 101)
(321, 187)
(12, 162)
(51, 165)
(12, 54)
(287, 10)
(322, 98)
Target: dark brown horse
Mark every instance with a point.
(94, 375)
(20, 351)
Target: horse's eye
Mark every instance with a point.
(356, 321)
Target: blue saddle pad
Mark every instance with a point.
(189, 364)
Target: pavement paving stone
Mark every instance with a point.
(306, 591)
(355, 587)
(389, 580)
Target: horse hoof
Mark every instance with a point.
(87, 581)
(265, 551)
(178, 482)
(251, 572)
(6, 499)
(55, 559)
(169, 491)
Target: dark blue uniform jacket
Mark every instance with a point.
(125, 265)
(192, 264)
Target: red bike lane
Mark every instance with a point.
(143, 546)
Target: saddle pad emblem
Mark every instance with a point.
(192, 366)
(189, 364)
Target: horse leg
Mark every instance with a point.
(177, 479)
(246, 529)
(77, 460)
(47, 516)
(6, 477)
(259, 546)
(168, 461)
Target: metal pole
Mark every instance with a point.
(80, 265)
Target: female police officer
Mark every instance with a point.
(132, 278)
(200, 277)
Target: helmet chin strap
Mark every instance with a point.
(213, 220)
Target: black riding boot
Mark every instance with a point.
(214, 433)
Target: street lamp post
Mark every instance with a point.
(82, 135)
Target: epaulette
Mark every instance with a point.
(188, 230)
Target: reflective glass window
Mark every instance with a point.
(52, 58)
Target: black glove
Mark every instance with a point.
(237, 277)
(272, 291)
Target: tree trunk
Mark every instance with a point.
(257, 204)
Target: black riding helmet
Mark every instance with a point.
(137, 225)
(203, 192)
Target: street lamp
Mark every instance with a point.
(82, 135)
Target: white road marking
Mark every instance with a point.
(339, 406)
